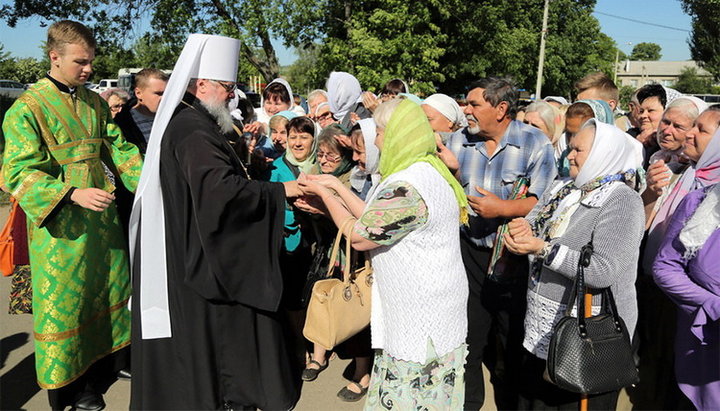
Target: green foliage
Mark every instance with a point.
(626, 93)
(690, 82)
(28, 70)
(386, 40)
(502, 38)
(646, 52)
(705, 37)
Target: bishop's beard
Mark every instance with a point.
(219, 110)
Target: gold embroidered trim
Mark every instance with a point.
(41, 218)
(81, 372)
(27, 183)
(133, 161)
(75, 143)
(76, 159)
(75, 331)
(71, 132)
(37, 112)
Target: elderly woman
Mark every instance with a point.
(443, 113)
(589, 207)
(410, 228)
(545, 117)
(366, 155)
(116, 99)
(687, 270)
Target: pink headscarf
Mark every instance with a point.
(705, 173)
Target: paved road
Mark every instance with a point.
(19, 390)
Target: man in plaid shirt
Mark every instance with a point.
(493, 152)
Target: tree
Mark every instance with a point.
(28, 70)
(254, 22)
(705, 37)
(6, 63)
(646, 52)
(690, 82)
(502, 38)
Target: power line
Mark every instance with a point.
(642, 22)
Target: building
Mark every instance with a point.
(637, 73)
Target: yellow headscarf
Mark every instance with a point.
(408, 140)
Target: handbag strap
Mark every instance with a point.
(336, 248)
(585, 256)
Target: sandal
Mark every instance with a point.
(349, 395)
(310, 374)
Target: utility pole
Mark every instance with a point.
(617, 57)
(541, 60)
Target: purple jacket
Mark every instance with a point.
(694, 286)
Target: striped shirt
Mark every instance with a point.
(524, 151)
(143, 122)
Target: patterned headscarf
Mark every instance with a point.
(601, 109)
(408, 140)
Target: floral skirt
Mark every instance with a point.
(439, 384)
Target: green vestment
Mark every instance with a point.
(80, 269)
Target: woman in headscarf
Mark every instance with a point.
(365, 175)
(410, 228)
(577, 114)
(668, 184)
(702, 148)
(667, 164)
(687, 270)
(345, 98)
(588, 207)
(443, 113)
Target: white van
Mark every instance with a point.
(105, 84)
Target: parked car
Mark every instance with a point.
(11, 88)
(105, 84)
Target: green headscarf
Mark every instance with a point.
(307, 166)
(408, 140)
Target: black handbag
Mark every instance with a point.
(591, 355)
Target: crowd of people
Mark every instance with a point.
(472, 212)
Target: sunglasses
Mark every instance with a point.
(229, 87)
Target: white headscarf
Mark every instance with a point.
(343, 92)
(671, 94)
(204, 56)
(704, 221)
(448, 107)
(262, 115)
(372, 156)
(611, 153)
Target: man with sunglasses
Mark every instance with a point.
(206, 279)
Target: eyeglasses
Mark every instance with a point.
(329, 157)
(229, 87)
(116, 107)
(324, 116)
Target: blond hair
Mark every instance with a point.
(142, 78)
(65, 32)
(602, 83)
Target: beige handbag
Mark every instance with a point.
(339, 309)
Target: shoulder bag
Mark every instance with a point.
(339, 309)
(7, 244)
(591, 355)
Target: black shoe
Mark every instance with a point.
(89, 401)
(124, 374)
(310, 374)
(348, 395)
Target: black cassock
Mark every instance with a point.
(223, 235)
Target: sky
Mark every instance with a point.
(24, 40)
